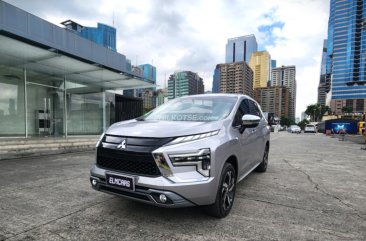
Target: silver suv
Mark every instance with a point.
(190, 151)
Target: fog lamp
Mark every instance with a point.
(94, 182)
(162, 198)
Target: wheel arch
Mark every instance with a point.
(233, 160)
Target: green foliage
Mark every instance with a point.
(317, 111)
(286, 121)
(347, 110)
(303, 123)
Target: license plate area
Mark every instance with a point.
(121, 181)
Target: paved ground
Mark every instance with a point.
(314, 189)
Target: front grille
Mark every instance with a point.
(136, 156)
(126, 161)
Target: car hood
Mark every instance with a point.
(162, 128)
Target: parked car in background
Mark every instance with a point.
(294, 129)
(310, 128)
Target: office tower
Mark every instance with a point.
(183, 83)
(161, 96)
(148, 99)
(240, 48)
(274, 99)
(323, 84)
(346, 63)
(216, 81)
(236, 78)
(260, 63)
(103, 34)
(273, 63)
(286, 76)
(148, 72)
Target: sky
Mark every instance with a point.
(191, 35)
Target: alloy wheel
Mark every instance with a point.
(227, 191)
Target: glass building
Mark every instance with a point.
(346, 51)
(184, 83)
(216, 80)
(103, 34)
(54, 82)
(323, 84)
(240, 48)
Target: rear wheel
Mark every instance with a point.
(225, 193)
(263, 166)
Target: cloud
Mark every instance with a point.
(191, 35)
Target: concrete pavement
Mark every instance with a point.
(314, 189)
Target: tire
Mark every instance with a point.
(225, 193)
(263, 166)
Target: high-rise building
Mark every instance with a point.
(184, 83)
(103, 34)
(216, 81)
(148, 99)
(260, 62)
(274, 99)
(236, 78)
(146, 71)
(273, 63)
(240, 48)
(149, 72)
(323, 84)
(346, 55)
(161, 96)
(136, 70)
(286, 76)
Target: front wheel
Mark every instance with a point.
(225, 193)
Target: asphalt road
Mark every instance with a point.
(314, 189)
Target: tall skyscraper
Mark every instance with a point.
(240, 48)
(274, 99)
(346, 63)
(216, 81)
(103, 34)
(236, 78)
(260, 62)
(149, 72)
(184, 83)
(286, 76)
(323, 84)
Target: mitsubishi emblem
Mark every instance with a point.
(122, 145)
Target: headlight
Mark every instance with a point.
(193, 137)
(100, 139)
(200, 159)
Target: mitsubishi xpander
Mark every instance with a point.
(190, 151)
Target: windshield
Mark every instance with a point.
(193, 108)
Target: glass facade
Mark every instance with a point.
(240, 49)
(184, 83)
(103, 34)
(346, 50)
(216, 80)
(43, 93)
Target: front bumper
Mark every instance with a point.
(148, 189)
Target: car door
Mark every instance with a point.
(246, 151)
(259, 133)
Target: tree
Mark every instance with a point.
(347, 110)
(317, 111)
(286, 121)
(303, 123)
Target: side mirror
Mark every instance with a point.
(249, 121)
